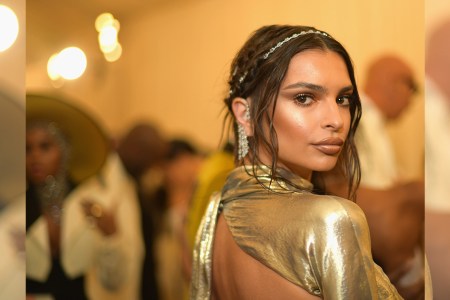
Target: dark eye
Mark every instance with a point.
(304, 99)
(45, 146)
(344, 100)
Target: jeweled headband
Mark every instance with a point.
(278, 45)
(294, 36)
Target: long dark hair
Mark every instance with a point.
(259, 76)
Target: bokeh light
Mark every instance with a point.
(115, 54)
(69, 64)
(108, 31)
(108, 38)
(9, 27)
(102, 20)
(52, 67)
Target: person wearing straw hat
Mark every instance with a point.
(64, 146)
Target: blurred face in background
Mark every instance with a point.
(43, 155)
(391, 85)
(183, 170)
(400, 89)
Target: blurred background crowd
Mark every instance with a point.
(120, 136)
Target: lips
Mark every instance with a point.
(36, 171)
(329, 146)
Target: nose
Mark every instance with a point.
(332, 118)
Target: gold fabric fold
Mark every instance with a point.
(320, 243)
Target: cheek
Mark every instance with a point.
(300, 128)
(54, 161)
(292, 123)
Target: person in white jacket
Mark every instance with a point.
(102, 236)
(64, 146)
(108, 233)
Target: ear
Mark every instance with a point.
(240, 107)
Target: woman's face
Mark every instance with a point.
(44, 155)
(312, 114)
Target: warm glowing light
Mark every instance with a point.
(9, 27)
(52, 67)
(69, 64)
(108, 38)
(72, 63)
(115, 54)
(108, 29)
(102, 20)
(115, 23)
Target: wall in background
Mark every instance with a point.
(176, 58)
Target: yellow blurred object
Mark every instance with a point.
(107, 38)
(115, 54)
(108, 30)
(9, 27)
(103, 19)
(212, 177)
(69, 64)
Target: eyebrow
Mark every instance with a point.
(316, 87)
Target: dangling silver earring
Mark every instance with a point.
(243, 142)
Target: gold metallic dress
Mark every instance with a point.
(320, 243)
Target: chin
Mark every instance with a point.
(326, 166)
(36, 182)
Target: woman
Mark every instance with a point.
(47, 153)
(54, 165)
(273, 233)
(171, 201)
